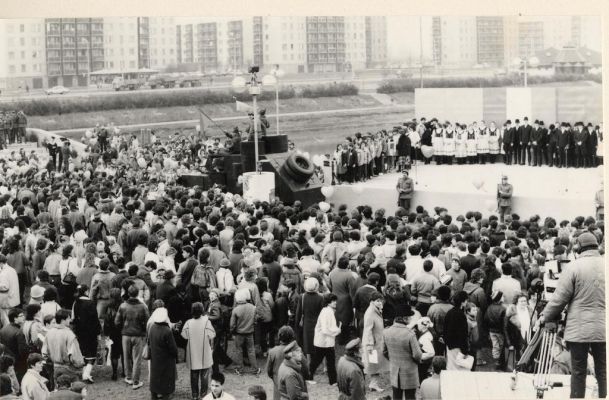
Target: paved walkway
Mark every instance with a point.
(269, 116)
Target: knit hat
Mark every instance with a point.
(37, 292)
(311, 285)
(587, 239)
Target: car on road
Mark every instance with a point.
(57, 90)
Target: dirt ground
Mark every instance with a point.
(105, 389)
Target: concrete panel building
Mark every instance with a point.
(22, 54)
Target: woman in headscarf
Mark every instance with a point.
(307, 313)
(163, 355)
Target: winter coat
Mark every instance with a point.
(86, 326)
(326, 329)
(350, 379)
(403, 146)
(494, 318)
(404, 355)
(342, 284)
(307, 312)
(274, 361)
(372, 338)
(132, 316)
(200, 334)
(163, 355)
(581, 288)
(292, 385)
(456, 330)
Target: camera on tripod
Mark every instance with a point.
(553, 269)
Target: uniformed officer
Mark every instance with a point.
(504, 197)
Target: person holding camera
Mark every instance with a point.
(581, 289)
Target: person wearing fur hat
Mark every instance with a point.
(581, 289)
(292, 384)
(351, 380)
(308, 311)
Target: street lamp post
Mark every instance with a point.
(88, 55)
(526, 63)
(253, 86)
(273, 80)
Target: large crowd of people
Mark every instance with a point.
(112, 262)
(560, 144)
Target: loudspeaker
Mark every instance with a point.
(231, 181)
(248, 155)
(217, 178)
(276, 144)
(286, 188)
(202, 180)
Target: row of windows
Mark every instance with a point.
(12, 69)
(34, 28)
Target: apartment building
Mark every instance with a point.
(455, 41)
(22, 51)
(74, 49)
(356, 42)
(220, 45)
(376, 41)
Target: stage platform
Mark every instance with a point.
(562, 193)
(466, 385)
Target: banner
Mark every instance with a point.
(241, 106)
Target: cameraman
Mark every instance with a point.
(581, 288)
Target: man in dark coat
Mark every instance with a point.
(456, 330)
(352, 164)
(542, 145)
(591, 146)
(524, 141)
(580, 138)
(563, 144)
(470, 261)
(403, 149)
(342, 284)
(516, 141)
(551, 143)
(507, 140)
(535, 151)
(13, 338)
(361, 300)
(350, 370)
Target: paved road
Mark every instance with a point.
(190, 122)
(368, 83)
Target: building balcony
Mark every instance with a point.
(97, 45)
(53, 45)
(53, 32)
(53, 59)
(56, 72)
(69, 45)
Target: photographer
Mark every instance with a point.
(581, 288)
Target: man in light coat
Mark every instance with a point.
(581, 289)
(404, 354)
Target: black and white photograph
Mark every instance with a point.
(275, 205)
